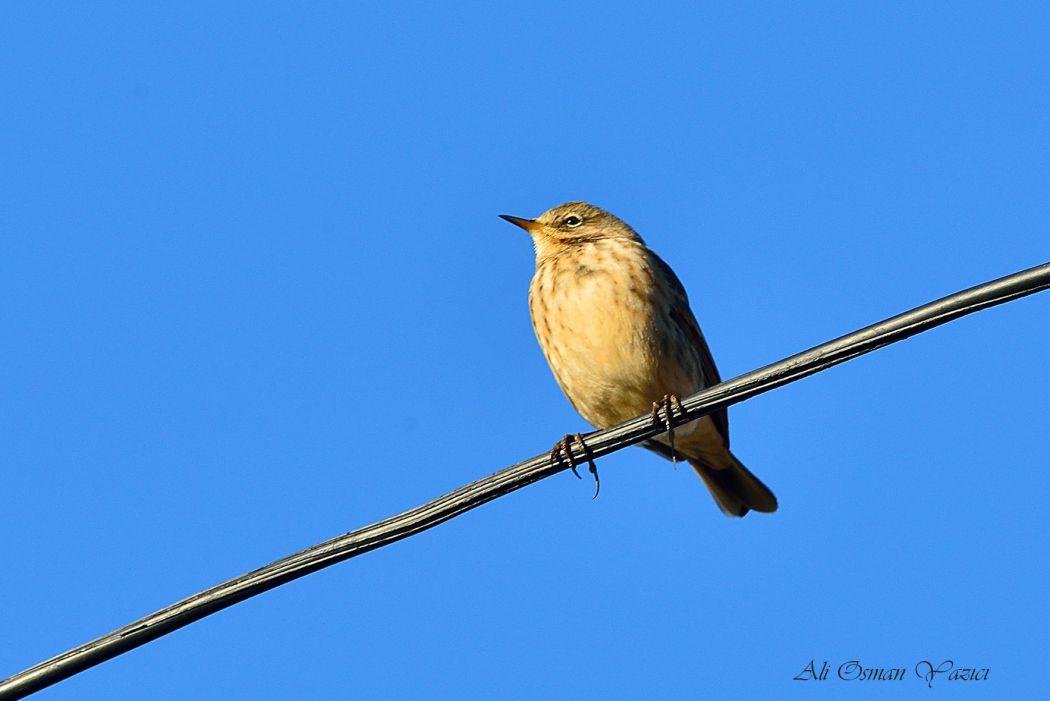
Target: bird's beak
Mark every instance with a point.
(530, 225)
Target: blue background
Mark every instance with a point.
(255, 294)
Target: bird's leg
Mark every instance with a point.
(564, 447)
(590, 465)
(668, 404)
(675, 405)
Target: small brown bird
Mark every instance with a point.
(615, 325)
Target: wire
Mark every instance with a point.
(517, 476)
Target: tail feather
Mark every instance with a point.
(734, 488)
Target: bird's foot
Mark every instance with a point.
(668, 404)
(564, 448)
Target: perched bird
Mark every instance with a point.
(615, 325)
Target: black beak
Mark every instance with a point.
(529, 225)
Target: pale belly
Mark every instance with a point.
(607, 344)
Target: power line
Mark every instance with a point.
(517, 476)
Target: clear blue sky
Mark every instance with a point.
(254, 294)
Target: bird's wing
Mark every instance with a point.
(682, 316)
(661, 449)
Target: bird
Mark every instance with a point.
(615, 326)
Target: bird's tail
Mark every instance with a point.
(734, 488)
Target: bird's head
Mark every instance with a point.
(571, 224)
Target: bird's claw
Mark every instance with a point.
(668, 404)
(564, 448)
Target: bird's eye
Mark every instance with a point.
(573, 221)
